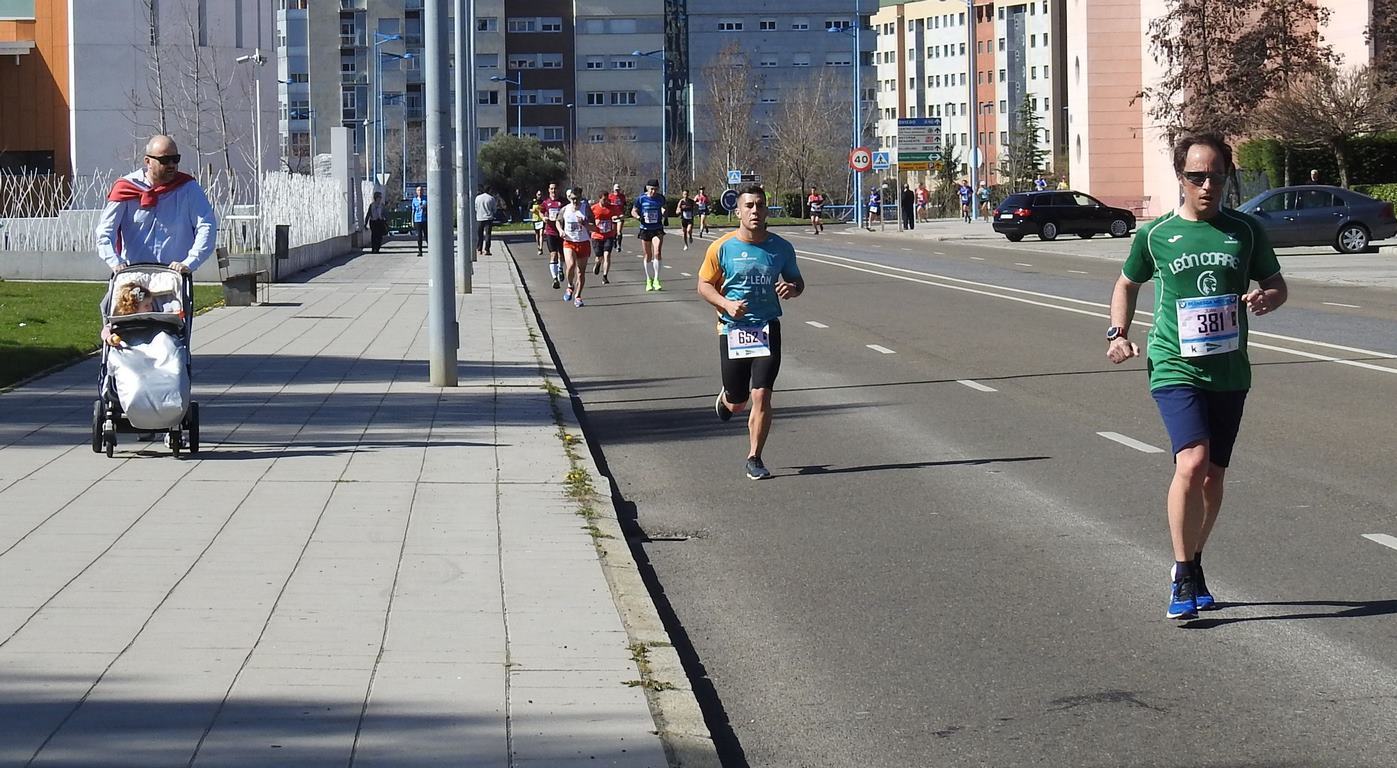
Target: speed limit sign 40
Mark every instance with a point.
(861, 159)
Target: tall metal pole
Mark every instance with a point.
(858, 110)
(442, 335)
(378, 112)
(693, 168)
(974, 109)
(518, 105)
(664, 119)
(465, 245)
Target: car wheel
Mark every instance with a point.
(1119, 228)
(1086, 235)
(1048, 232)
(1352, 238)
(1014, 238)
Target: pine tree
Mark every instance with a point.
(1024, 157)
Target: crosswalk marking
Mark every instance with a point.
(1130, 442)
(817, 325)
(877, 348)
(976, 385)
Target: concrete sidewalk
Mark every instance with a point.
(357, 569)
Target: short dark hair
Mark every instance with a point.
(1213, 140)
(753, 189)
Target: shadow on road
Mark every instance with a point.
(825, 469)
(1345, 609)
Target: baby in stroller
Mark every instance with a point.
(130, 299)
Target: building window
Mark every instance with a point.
(596, 98)
(487, 97)
(523, 25)
(552, 60)
(767, 60)
(594, 26)
(767, 25)
(800, 59)
(800, 24)
(837, 24)
(1045, 71)
(486, 24)
(839, 60)
(596, 137)
(551, 24)
(623, 63)
(1001, 75)
(349, 104)
(551, 133)
(621, 26)
(1033, 71)
(1003, 137)
(1001, 43)
(1003, 106)
(729, 25)
(552, 97)
(623, 98)
(768, 98)
(1032, 41)
(486, 134)
(487, 61)
(522, 62)
(596, 62)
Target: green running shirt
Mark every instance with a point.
(1190, 260)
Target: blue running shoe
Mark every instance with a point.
(567, 295)
(756, 470)
(1183, 600)
(1202, 596)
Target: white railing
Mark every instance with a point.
(48, 213)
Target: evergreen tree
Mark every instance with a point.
(1024, 157)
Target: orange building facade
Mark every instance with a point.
(34, 85)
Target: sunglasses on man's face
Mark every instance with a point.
(165, 159)
(1199, 178)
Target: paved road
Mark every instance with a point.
(953, 566)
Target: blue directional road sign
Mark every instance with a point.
(729, 200)
(881, 161)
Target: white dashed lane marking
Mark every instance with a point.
(905, 249)
(883, 350)
(666, 266)
(1017, 263)
(1335, 303)
(1073, 271)
(975, 385)
(1130, 442)
(972, 258)
(812, 322)
(1382, 538)
(938, 253)
(686, 274)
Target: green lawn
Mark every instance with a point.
(45, 324)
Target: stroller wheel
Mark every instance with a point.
(99, 415)
(174, 440)
(110, 439)
(192, 428)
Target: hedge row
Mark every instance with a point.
(1386, 192)
(1372, 160)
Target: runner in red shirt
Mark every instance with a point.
(923, 213)
(617, 199)
(604, 236)
(701, 200)
(816, 203)
(552, 208)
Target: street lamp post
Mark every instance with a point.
(974, 107)
(382, 132)
(380, 39)
(857, 105)
(518, 83)
(572, 135)
(258, 59)
(664, 114)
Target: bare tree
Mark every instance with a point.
(728, 80)
(1195, 41)
(598, 165)
(808, 147)
(1328, 107)
(153, 100)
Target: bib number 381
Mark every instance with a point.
(1208, 326)
(749, 342)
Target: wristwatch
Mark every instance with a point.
(1115, 332)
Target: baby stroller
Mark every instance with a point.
(144, 380)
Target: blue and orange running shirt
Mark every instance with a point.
(743, 271)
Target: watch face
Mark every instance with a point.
(1113, 333)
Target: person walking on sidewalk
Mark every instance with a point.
(577, 230)
(376, 219)
(603, 236)
(485, 207)
(905, 205)
(552, 207)
(419, 217)
(649, 208)
(1203, 259)
(745, 275)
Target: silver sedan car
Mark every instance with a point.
(1317, 214)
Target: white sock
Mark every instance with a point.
(647, 268)
(554, 269)
(657, 269)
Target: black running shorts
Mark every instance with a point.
(553, 243)
(651, 234)
(740, 377)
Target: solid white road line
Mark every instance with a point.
(877, 348)
(1130, 442)
(976, 385)
(1337, 304)
(1382, 538)
(958, 284)
(817, 325)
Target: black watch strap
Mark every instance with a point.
(1115, 332)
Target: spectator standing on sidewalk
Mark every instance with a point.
(419, 217)
(906, 205)
(485, 207)
(376, 219)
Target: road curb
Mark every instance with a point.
(679, 720)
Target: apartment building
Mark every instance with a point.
(622, 96)
(84, 83)
(1115, 151)
(943, 58)
(786, 46)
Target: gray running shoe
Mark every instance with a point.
(756, 470)
(722, 410)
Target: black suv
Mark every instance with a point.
(1048, 214)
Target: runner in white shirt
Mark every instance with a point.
(577, 228)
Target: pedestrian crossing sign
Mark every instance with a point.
(881, 161)
(734, 177)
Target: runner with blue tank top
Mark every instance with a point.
(744, 276)
(649, 208)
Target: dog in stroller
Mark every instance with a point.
(144, 382)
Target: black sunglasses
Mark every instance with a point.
(1199, 178)
(165, 159)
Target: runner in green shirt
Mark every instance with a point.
(1203, 259)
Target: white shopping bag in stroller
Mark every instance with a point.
(151, 378)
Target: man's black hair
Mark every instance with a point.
(753, 189)
(1213, 140)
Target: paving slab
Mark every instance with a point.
(356, 569)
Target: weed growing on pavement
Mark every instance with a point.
(640, 654)
(578, 482)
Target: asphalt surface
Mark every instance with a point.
(952, 566)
